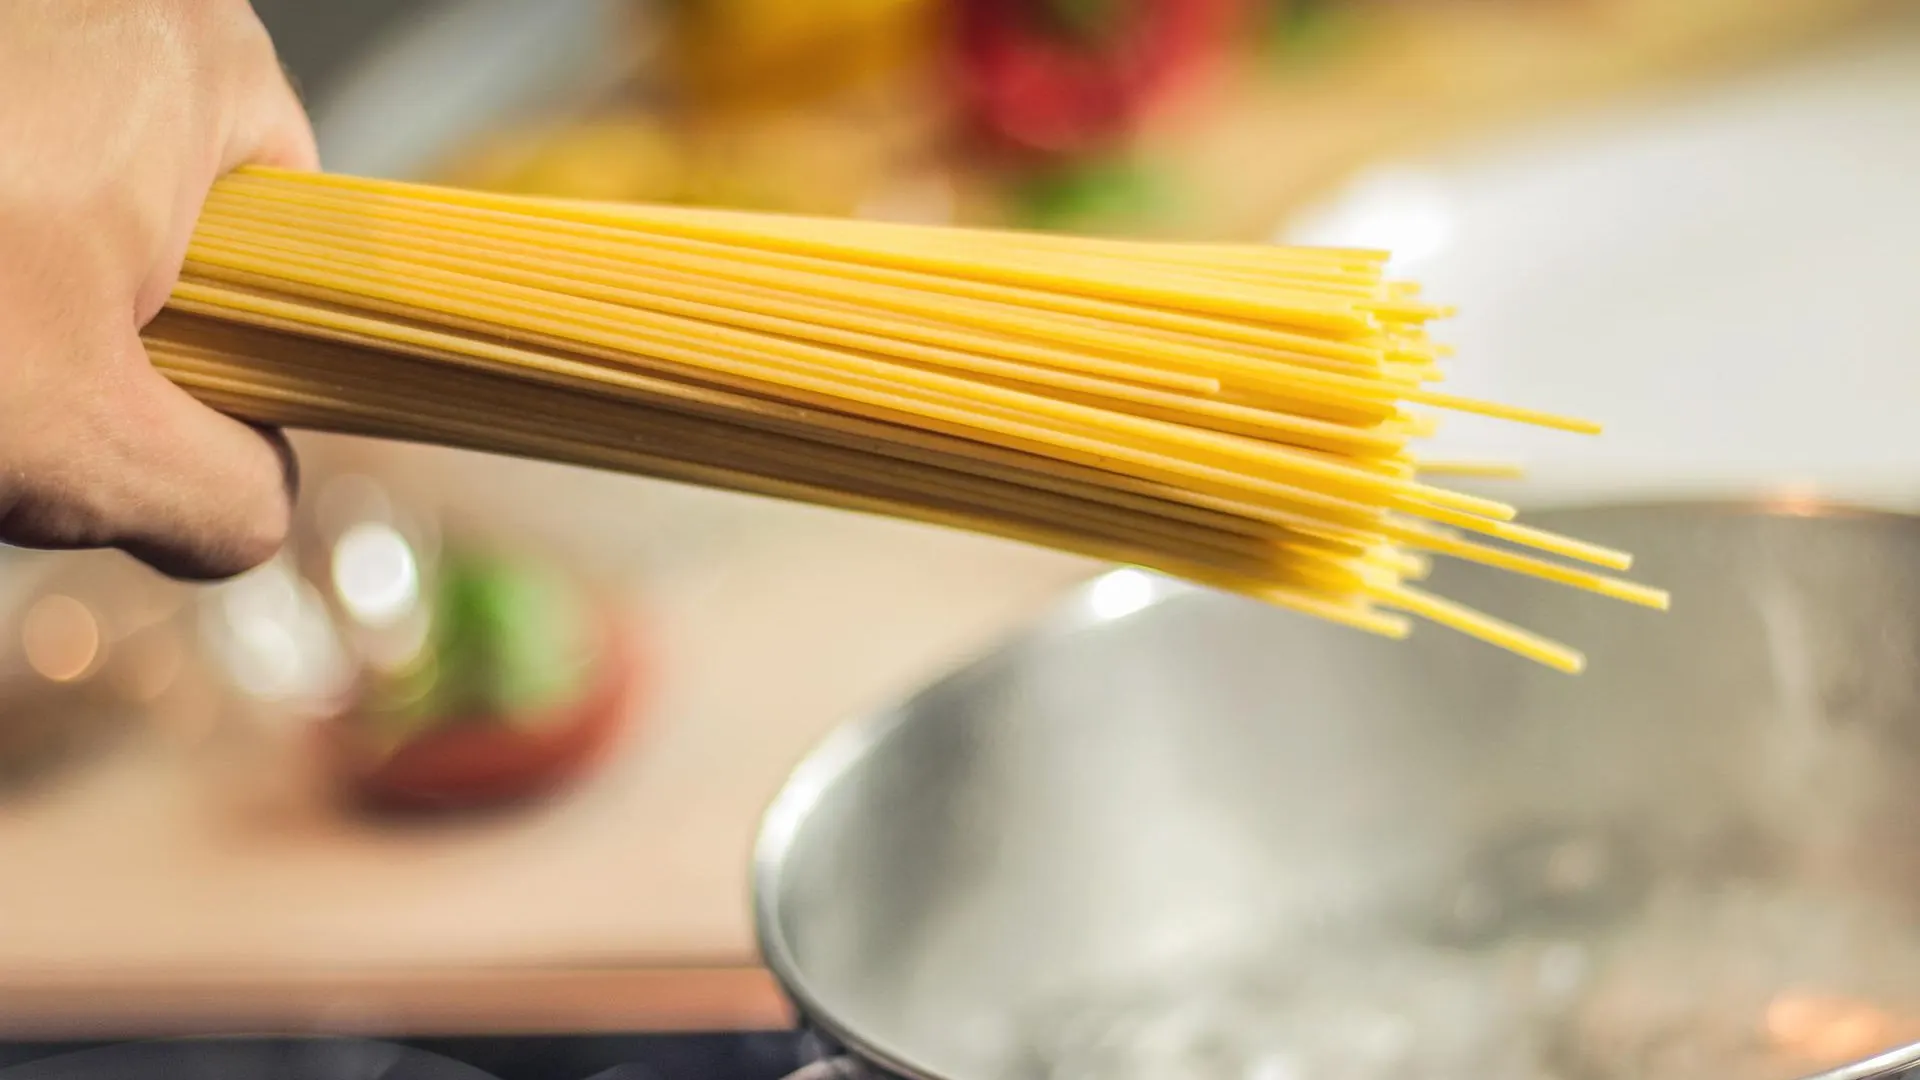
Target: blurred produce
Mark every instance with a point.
(730, 54)
(436, 673)
(807, 161)
(520, 687)
(1208, 119)
(1070, 77)
(761, 104)
(1306, 31)
(517, 686)
(1081, 196)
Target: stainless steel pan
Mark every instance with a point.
(1175, 834)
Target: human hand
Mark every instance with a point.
(116, 118)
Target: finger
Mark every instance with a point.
(151, 471)
(220, 493)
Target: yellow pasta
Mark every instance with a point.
(1237, 415)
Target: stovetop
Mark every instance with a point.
(768, 1055)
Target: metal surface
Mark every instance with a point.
(1178, 833)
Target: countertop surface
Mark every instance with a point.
(1717, 274)
(177, 887)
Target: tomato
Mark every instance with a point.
(1064, 77)
(479, 761)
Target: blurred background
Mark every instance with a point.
(486, 748)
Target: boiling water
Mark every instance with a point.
(1733, 980)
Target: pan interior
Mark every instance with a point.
(1210, 839)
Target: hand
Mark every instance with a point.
(116, 117)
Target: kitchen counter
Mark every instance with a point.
(173, 890)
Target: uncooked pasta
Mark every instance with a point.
(1243, 416)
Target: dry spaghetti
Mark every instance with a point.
(1233, 414)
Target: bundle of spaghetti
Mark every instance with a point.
(1239, 415)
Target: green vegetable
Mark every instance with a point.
(1088, 196)
(1303, 31)
(508, 641)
